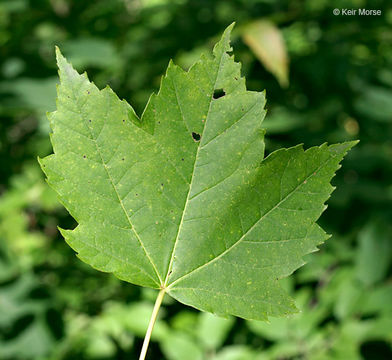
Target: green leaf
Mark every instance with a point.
(90, 51)
(300, 327)
(375, 103)
(35, 338)
(238, 352)
(212, 330)
(374, 253)
(181, 198)
(178, 346)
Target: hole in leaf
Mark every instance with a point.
(196, 136)
(218, 93)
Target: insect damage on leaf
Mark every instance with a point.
(218, 93)
(196, 136)
(182, 198)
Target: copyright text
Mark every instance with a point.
(357, 12)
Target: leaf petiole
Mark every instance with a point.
(153, 318)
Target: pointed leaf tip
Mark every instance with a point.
(230, 28)
(351, 144)
(59, 56)
(344, 147)
(66, 69)
(224, 43)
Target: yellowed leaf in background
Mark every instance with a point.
(266, 42)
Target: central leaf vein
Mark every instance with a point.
(169, 269)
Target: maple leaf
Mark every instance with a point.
(182, 198)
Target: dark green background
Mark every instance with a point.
(52, 306)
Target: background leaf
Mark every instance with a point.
(267, 43)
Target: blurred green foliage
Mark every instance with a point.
(54, 307)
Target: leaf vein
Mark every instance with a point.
(252, 227)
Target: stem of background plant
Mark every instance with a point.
(153, 318)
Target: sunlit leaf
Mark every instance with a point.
(181, 199)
